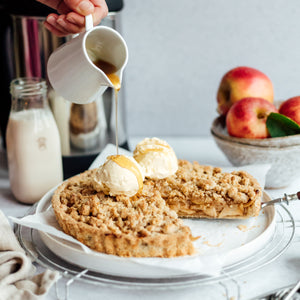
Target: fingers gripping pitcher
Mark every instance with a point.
(33, 143)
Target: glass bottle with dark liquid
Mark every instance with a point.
(110, 71)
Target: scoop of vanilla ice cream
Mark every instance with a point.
(157, 159)
(119, 175)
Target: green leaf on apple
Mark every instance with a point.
(279, 125)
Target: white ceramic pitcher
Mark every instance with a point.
(71, 70)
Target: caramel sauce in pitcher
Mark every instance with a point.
(110, 71)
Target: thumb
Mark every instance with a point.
(82, 7)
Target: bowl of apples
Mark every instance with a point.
(252, 129)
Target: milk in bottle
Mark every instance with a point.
(33, 143)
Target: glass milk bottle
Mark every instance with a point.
(33, 143)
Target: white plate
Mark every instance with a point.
(222, 243)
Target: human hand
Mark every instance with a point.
(71, 15)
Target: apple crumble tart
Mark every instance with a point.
(140, 226)
(197, 191)
(95, 207)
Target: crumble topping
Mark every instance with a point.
(140, 215)
(205, 191)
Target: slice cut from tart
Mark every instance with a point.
(140, 226)
(197, 191)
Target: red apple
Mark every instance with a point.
(291, 108)
(243, 82)
(247, 118)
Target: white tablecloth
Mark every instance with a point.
(282, 272)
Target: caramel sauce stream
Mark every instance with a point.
(126, 163)
(117, 123)
(110, 71)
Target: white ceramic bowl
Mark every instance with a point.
(219, 129)
(282, 153)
